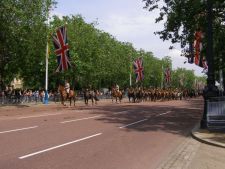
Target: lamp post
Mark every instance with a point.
(210, 90)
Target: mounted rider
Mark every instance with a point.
(67, 87)
(117, 88)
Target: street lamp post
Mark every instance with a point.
(210, 90)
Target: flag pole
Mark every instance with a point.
(130, 80)
(46, 76)
(130, 75)
(130, 71)
(162, 77)
(46, 65)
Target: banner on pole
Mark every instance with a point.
(167, 75)
(138, 69)
(61, 49)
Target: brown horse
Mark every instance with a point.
(131, 94)
(117, 94)
(65, 96)
(90, 94)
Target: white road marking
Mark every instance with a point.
(55, 147)
(191, 108)
(133, 123)
(125, 111)
(27, 128)
(26, 117)
(163, 113)
(80, 119)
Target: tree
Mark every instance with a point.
(182, 18)
(23, 37)
(97, 57)
(183, 78)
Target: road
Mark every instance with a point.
(103, 136)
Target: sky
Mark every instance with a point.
(127, 21)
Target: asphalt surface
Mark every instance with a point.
(103, 136)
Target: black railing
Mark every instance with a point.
(216, 112)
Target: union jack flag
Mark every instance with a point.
(167, 75)
(198, 47)
(61, 49)
(139, 69)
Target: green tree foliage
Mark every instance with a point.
(182, 78)
(97, 57)
(23, 40)
(101, 60)
(182, 18)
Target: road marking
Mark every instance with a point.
(55, 147)
(125, 111)
(163, 113)
(133, 123)
(27, 128)
(80, 119)
(26, 117)
(191, 108)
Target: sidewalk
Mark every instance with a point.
(211, 152)
(209, 137)
(204, 150)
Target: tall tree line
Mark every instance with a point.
(183, 17)
(97, 57)
(23, 34)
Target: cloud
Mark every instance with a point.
(175, 53)
(127, 26)
(137, 29)
(59, 14)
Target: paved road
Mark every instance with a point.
(104, 136)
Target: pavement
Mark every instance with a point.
(211, 152)
(204, 150)
(215, 138)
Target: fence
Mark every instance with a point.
(25, 99)
(32, 99)
(216, 112)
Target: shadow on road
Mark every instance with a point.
(14, 105)
(168, 117)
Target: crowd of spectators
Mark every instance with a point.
(19, 96)
(14, 96)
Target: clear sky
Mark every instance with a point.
(128, 22)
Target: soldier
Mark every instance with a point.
(117, 87)
(67, 87)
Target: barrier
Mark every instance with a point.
(216, 112)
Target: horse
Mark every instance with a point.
(131, 94)
(90, 94)
(64, 95)
(117, 94)
(137, 94)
